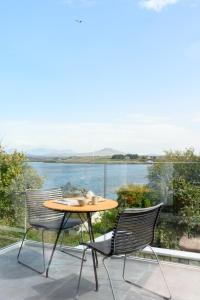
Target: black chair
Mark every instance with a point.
(43, 219)
(134, 230)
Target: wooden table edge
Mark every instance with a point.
(102, 206)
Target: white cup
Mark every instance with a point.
(94, 200)
(82, 202)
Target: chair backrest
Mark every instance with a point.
(36, 211)
(134, 229)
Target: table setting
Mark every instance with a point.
(89, 198)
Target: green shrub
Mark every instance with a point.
(187, 205)
(167, 236)
(128, 196)
(15, 177)
(174, 180)
(108, 220)
(133, 195)
(166, 175)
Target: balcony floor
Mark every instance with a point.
(20, 283)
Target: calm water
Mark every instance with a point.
(93, 177)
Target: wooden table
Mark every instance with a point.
(87, 209)
(101, 206)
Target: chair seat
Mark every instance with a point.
(103, 247)
(55, 224)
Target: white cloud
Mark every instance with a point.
(133, 133)
(156, 5)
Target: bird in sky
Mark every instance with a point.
(79, 21)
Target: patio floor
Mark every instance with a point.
(20, 283)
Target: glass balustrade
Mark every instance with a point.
(177, 185)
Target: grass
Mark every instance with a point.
(70, 239)
(9, 237)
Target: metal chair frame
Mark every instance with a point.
(118, 243)
(139, 286)
(44, 215)
(43, 252)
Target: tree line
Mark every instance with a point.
(132, 156)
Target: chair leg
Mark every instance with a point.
(161, 271)
(22, 243)
(111, 286)
(139, 286)
(43, 251)
(79, 279)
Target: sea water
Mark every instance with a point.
(102, 179)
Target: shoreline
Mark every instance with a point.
(91, 162)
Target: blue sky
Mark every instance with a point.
(127, 77)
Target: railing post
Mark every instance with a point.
(104, 180)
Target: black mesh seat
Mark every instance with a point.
(103, 247)
(55, 224)
(43, 218)
(134, 230)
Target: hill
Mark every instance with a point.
(102, 152)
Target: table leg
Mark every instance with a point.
(91, 233)
(55, 244)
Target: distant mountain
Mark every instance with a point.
(102, 152)
(50, 152)
(46, 152)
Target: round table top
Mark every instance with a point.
(101, 206)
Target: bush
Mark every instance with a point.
(175, 180)
(118, 156)
(70, 190)
(167, 236)
(187, 205)
(133, 195)
(15, 177)
(166, 174)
